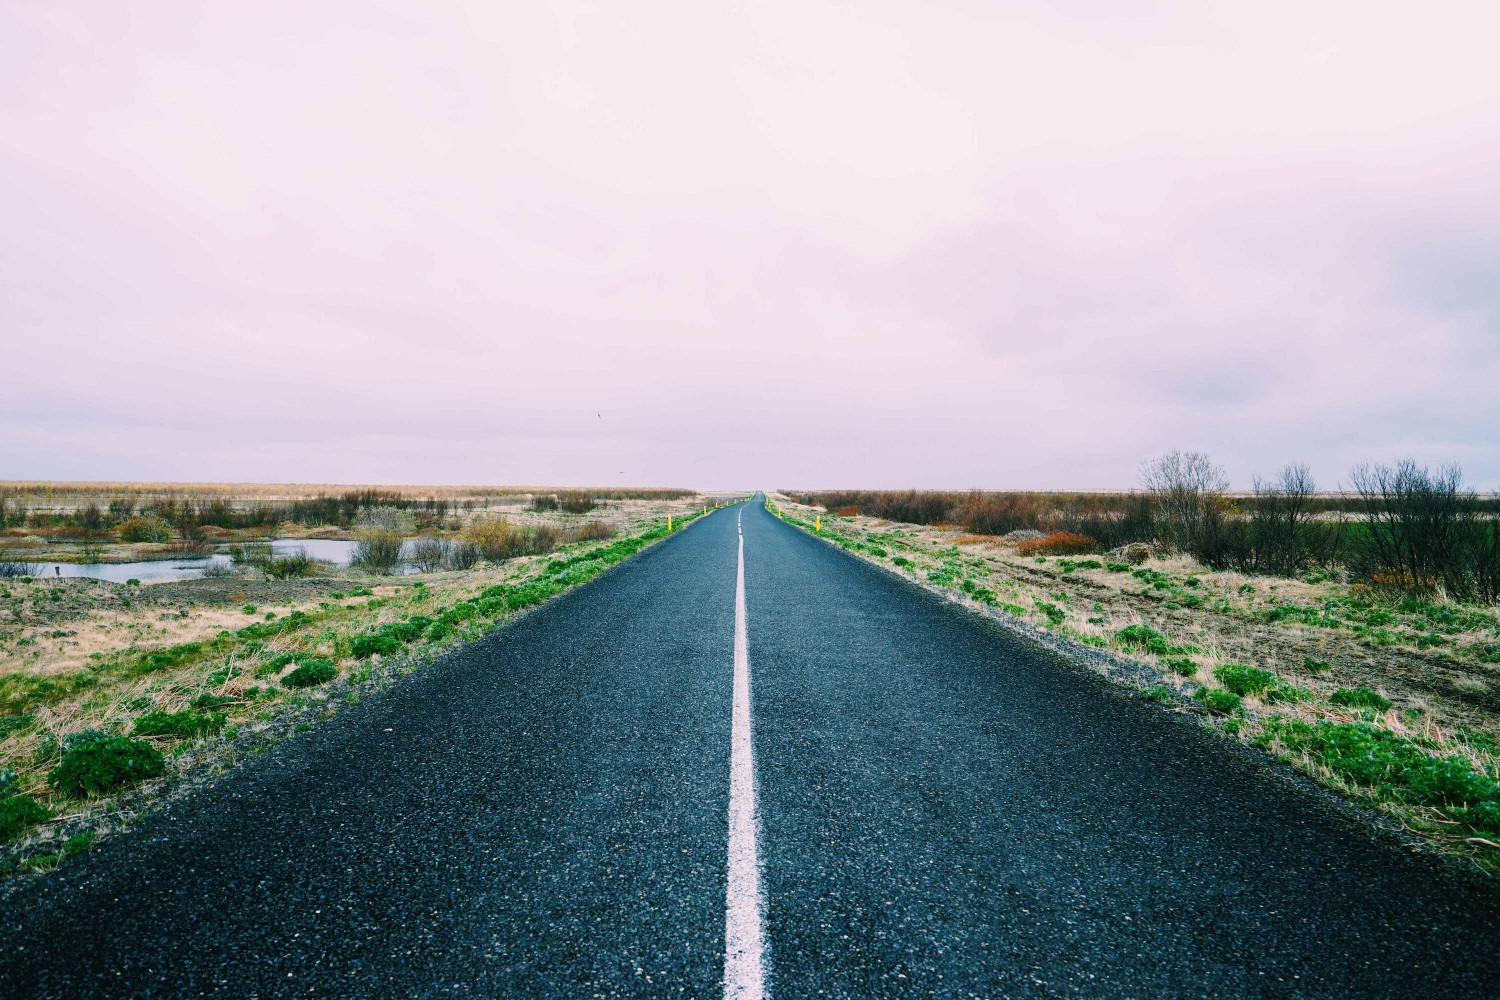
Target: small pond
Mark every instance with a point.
(329, 550)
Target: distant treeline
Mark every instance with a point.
(1404, 526)
(189, 512)
(186, 512)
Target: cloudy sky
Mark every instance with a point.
(746, 244)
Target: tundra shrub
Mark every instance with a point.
(17, 812)
(1144, 637)
(1360, 697)
(1243, 680)
(1058, 543)
(146, 528)
(593, 531)
(429, 554)
(499, 539)
(184, 725)
(1055, 615)
(462, 555)
(370, 643)
(311, 673)
(378, 550)
(1157, 693)
(1181, 665)
(288, 565)
(1217, 700)
(100, 766)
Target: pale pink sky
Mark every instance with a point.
(736, 245)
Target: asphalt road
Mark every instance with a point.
(942, 812)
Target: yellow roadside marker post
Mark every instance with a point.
(669, 524)
(818, 526)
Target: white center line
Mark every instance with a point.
(744, 944)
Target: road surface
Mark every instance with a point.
(749, 764)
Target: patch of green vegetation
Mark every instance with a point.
(1152, 577)
(1313, 666)
(269, 629)
(311, 673)
(78, 843)
(1158, 693)
(379, 642)
(172, 656)
(1217, 700)
(1115, 567)
(249, 609)
(20, 812)
(1243, 679)
(14, 723)
(1181, 665)
(1479, 739)
(1055, 615)
(103, 765)
(1390, 765)
(1360, 697)
(184, 725)
(1146, 638)
(901, 561)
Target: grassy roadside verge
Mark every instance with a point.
(84, 751)
(1389, 702)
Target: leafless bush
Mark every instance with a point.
(377, 550)
(250, 553)
(11, 568)
(91, 544)
(462, 555)
(1278, 534)
(217, 570)
(499, 539)
(1425, 531)
(387, 519)
(998, 513)
(191, 548)
(592, 531)
(286, 565)
(568, 501)
(429, 554)
(379, 534)
(1186, 489)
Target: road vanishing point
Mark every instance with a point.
(746, 764)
